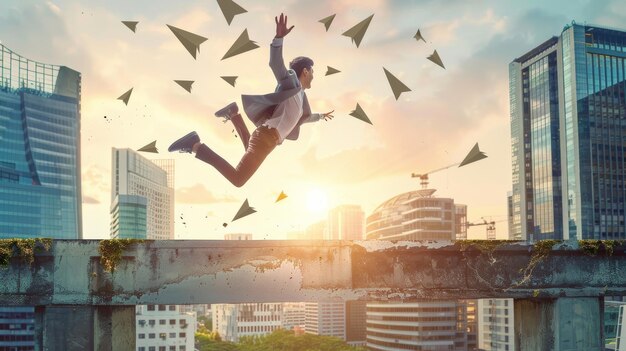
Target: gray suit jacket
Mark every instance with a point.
(260, 108)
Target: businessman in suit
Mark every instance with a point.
(277, 115)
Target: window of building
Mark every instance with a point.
(150, 307)
(142, 336)
(162, 348)
(182, 348)
(162, 307)
(151, 336)
(172, 335)
(182, 335)
(172, 348)
(151, 348)
(141, 348)
(172, 307)
(172, 322)
(182, 322)
(163, 336)
(161, 321)
(151, 322)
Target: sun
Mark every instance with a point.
(317, 200)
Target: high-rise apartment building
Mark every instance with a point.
(346, 222)
(294, 316)
(146, 181)
(326, 318)
(496, 324)
(40, 184)
(165, 328)
(232, 321)
(568, 147)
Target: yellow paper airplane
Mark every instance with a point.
(244, 210)
(241, 45)
(358, 31)
(436, 59)
(396, 85)
(230, 9)
(190, 41)
(282, 196)
(230, 79)
(150, 148)
(186, 84)
(418, 36)
(360, 114)
(331, 70)
(474, 155)
(126, 96)
(132, 25)
(327, 21)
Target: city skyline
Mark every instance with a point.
(475, 42)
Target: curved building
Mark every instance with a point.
(428, 325)
(417, 215)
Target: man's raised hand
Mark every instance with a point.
(328, 115)
(281, 26)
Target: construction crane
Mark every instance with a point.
(491, 227)
(424, 176)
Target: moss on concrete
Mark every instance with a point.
(111, 251)
(25, 249)
(594, 247)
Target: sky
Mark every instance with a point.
(342, 161)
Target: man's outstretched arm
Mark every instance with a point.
(314, 117)
(277, 64)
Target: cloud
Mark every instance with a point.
(95, 184)
(419, 134)
(199, 194)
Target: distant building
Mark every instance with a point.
(232, 321)
(416, 215)
(316, 231)
(133, 174)
(346, 222)
(164, 327)
(129, 217)
(356, 323)
(426, 325)
(496, 324)
(326, 318)
(294, 315)
(238, 236)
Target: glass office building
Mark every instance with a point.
(568, 136)
(40, 186)
(128, 217)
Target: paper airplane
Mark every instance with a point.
(418, 36)
(126, 96)
(230, 9)
(360, 114)
(244, 210)
(282, 196)
(230, 79)
(396, 85)
(474, 155)
(132, 25)
(436, 59)
(186, 84)
(357, 32)
(327, 21)
(241, 45)
(150, 148)
(190, 41)
(331, 70)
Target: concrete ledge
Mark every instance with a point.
(181, 272)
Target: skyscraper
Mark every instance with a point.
(568, 112)
(326, 318)
(346, 222)
(151, 185)
(40, 185)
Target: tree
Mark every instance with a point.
(285, 340)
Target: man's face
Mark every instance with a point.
(307, 77)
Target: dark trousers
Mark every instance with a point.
(258, 146)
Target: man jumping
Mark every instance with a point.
(277, 115)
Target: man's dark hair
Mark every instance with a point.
(300, 63)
